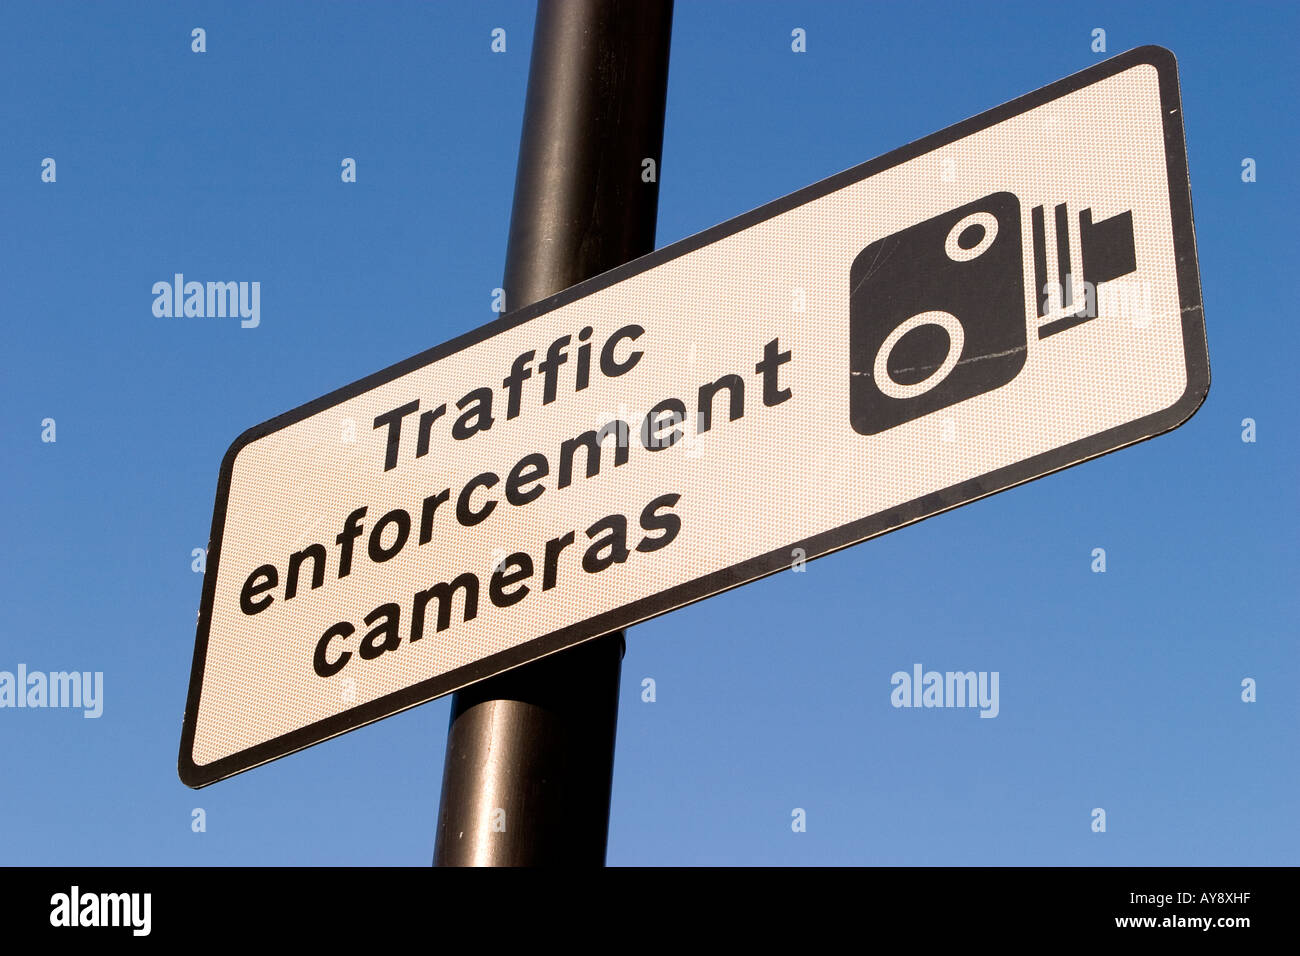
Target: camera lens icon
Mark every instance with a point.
(956, 342)
(936, 314)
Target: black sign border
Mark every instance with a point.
(1198, 383)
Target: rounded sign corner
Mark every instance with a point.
(190, 773)
(245, 438)
(1156, 55)
(1194, 395)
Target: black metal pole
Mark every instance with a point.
(530, 754)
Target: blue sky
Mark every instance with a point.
(1118, 690)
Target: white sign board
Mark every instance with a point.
(998, 301)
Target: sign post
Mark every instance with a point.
(530, 753)
(1006, 298)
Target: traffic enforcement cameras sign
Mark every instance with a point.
(1001, 300)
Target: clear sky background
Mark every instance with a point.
(1118, 690)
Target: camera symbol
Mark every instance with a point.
(936, 314)
(937, 310)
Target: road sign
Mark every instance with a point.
(998, 301)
